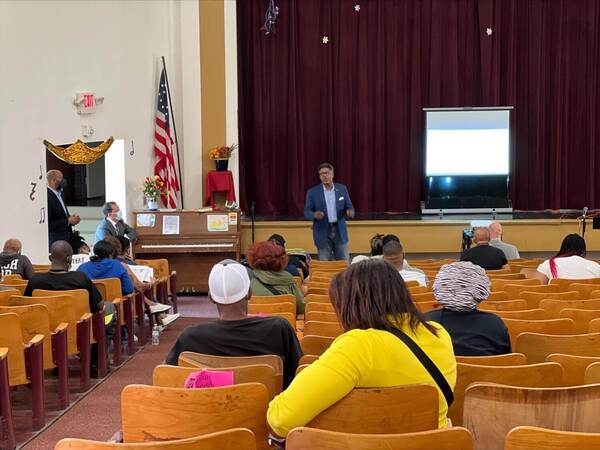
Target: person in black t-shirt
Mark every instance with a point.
(459, 287)
(483, 254)
(236, 334)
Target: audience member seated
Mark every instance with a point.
(510, 251)
(267, 261)
(12, 262)
(569, 262)
(394, 254)
(293, 261)
(59, 278)
(235, 334)
(113, 224)
(459, 287)
(124, 253)
(373, 303)
(484, 255)
(377, 243)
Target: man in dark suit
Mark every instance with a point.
(328, 205)
(113, 224)
(60, 222)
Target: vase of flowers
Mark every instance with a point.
(221, 156)
(153, 187)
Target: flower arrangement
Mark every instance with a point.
(153, 187)
(222, 152)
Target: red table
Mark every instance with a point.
(219, 182)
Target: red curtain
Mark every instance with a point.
(356, 101)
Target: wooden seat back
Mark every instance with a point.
(311, 290)
(573, 366)
(13, 277)
(406, 408)
(317, 298)
(41, 267)
(192, 359)
(505, 305)
(317, 265)
(592, 373)
(550, 326)
(307, 359)
(581, 318)
(153, 413)
(414, 290)
(508, 359)
(534, 375)
(160, 266)
(585, 290)
(81, 298)
(427, 306)
(554, 307)
(269, 299)
(19, 286)
(513, 285)
(527, 438)
(174, 376)
(12, 338)
(423, 297)
(257, 308)
(594, 326)
(328, 329)
(315, 345)
(497, 296)
(507, 276)
(316, 306)
(234, 439)
(526, 314)
(110, 288)
(565, 283)
(534, 298)
(492, 410)
(411, 284)
(321, 316)
(5, 295)
(536, 347)
(455, 438)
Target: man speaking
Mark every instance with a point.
(327, 205)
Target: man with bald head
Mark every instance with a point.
(12, 262)
(60, 222)
(483, 254)
(510, 251)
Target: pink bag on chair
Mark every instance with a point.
(209, 378)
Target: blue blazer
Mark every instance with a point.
(315, 201)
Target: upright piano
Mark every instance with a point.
(192, 241)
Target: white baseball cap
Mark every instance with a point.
(228, 282)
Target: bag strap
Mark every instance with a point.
(271, 289)
(427, 363)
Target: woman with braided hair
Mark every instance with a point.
(459, 288)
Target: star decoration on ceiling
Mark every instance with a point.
(325, 39)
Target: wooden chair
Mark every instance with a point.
(427, 306)
(585, 290)
(193, 359)
(13, 277)
(319, 274)
(508, 359)
(534, 298)
(498, 272)
(316, 298)
(411, 284)
(526, 314)
(328, 329)
(550, 326)
(592, 374)
(316, 306)
(270, 299)
(290, 317)
(321, 316)
(423, 297)
(315, 345)
(492, 410)
(6, 414)
(5, 295)
(573, 367)
(267, 308)
(298, 281)
(594, 326)
(537, 347)
(110, 289)
(500, 285)
(318, 285)
(455, 438)
(528, 438)
(166, 276)
(508, 276)
(497, 296)
(581, 318)
(35, 320)
(15, 285)
(565, 283)
(554, 307)
(534, 375)
(25, 363)
(174, 376)
(41, 267)
(152, 413)
(418, 289)
(64, 308)
(506, 305)
(307, 359)
(318, 265)
(406, 409)
(233, 439)
(317, 291)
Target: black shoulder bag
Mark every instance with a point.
(427, 363)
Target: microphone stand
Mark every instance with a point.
(583, 224)
(252, 217)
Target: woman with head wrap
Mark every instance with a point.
(459, 288)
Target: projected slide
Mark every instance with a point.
(467, 143)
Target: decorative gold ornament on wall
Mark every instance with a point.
(79, 152)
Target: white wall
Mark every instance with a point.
(50, 50)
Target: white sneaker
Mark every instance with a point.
(169, 318)
(158, 308)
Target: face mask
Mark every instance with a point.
(119, 216)
(62, 185)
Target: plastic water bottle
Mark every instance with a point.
(155, 335)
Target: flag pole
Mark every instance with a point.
(174, 130)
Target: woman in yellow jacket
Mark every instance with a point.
(369, 298)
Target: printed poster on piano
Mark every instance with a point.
(217, 222)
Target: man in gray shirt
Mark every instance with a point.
(510, 251)
(12, 262)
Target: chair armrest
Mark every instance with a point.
(3, 353)
(36, 340)
(61, 327)
(85, 316)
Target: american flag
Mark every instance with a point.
(164, 146)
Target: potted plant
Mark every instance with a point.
(153, 187)
(221, 156)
